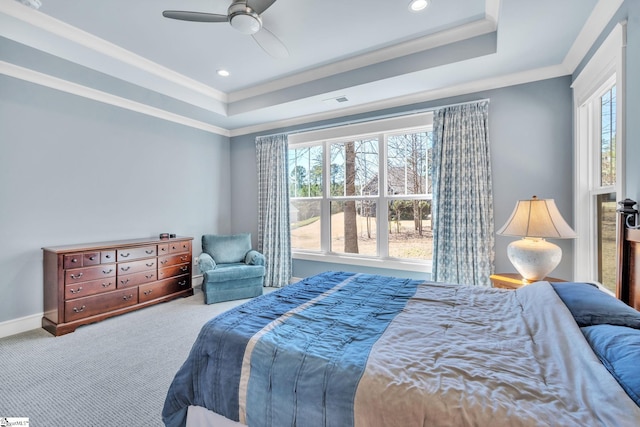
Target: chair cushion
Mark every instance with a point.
(237, 271)
(227, 249)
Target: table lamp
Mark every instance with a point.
(534, 220)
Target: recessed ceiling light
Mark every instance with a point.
(418, 5)
(223, 73)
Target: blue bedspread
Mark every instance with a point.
(292, 362)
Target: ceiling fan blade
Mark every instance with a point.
(260, 6)
(271, 44)
(194, 16)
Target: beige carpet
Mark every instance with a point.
(112, 373)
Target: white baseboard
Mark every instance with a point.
(23, 324)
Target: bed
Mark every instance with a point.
(345, 349)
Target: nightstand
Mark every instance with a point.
(514, 280)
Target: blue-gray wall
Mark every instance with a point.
(73, 171)
(530, 129)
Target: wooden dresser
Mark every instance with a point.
(91, 282)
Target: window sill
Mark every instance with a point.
(388, 263)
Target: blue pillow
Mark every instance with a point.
(618, 348)
(591, 306)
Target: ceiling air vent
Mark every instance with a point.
(341, 98)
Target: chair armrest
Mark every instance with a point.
(206, 262)
(254, 257)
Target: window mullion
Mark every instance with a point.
(325, 217)
(382, 206)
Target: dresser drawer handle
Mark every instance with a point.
(76, 276)
(183, 258)
(127, 297)
(148, 292)
(125, 255)
(184, 282)
(106, 285)
(163, 249)
(124, 282)
(78, 310)
(150, 251)
(74, 260)
(149, 264)
(91, 258)
(75, 291)
(148, 276)
(108, 256)
(185, 268)
(125, 268)
(107, 271)
(164, 261)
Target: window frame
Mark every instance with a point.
(422, 121)
(603, 71)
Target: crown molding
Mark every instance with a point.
(602, 13)
(62, 85)
(33, 23)
(425, 96)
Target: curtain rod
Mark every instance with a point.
(375, 118)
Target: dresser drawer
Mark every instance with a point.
(135, 279)
(135, 253)
(78, 275)
(88, 306)
(73, 261)
(167, 261)
(107, 256)
(84, 289)
(136, 266)
(90, 258)
(164, 287)
(163, 249)
(182, 246)
(174, 270)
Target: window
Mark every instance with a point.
(604, 193)
(598, 166)
(363, 192)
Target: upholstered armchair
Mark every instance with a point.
(231, 269)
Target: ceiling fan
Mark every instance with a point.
(244, 16)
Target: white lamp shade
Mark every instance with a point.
(537, 218)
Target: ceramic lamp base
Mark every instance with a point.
(534, 258)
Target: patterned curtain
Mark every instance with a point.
(463, 236)
(274, 238)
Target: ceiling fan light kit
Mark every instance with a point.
(244, 19)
